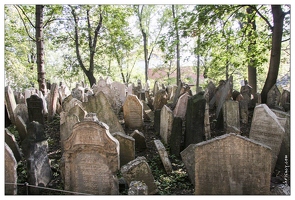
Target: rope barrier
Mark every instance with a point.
(45, 188)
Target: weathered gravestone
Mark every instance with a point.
(163, 156)
(166, 124)
(285, 100)
(180, 109)
(139, 170)
(133, 112)
(176, 136)
(21, 110)
(211, 90)
(148, 114)
(231, 116)
(244, 103)
(53, 100)
(78, 92)
(121, 89)
(66, 127)
(137, 188)
(140, 143)
(11, 142)
(35, 107)
(10, 172)
(285, 147)
(157, 120)
(160, 99)
(127, 147)
(194, 126)
(35, 148)
(266, 129)
(21, 127)
(91, 158)
(10, 103)
(273, 97)
(228, 165)
(156, 88)
(100, 105)
(69, 102)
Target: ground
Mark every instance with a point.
(176, 183)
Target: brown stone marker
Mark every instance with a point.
(10, 172)
(91, 159)
(133, 112)
(230, 164)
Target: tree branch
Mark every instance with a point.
(263, 17)
(27, 31)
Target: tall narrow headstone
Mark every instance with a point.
(180, 109)
(244, 103)
(133, 112)
(163, 156)
(266, 129)
(195, 113)
(166, 124)
(91, 159)
(176, 136)
(11, 142)
(211, 90)
(157, 120)
(10, 172)
(35, 107)
(231, 116)
(229, 165)
(10, 103)
(127, 147)
(160, 99)
(52, 101)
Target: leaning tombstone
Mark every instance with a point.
(100, 105)
(244, 103)
(273, 97)
(137, 188)
(211, 90)
(163, 156)
(52, 101)
(127, 147)
(194, 125)
(21, 110)
(267, 129)
(180, 109)
(166, 123)
(139, 170)
(133, 112)
(231, 116)
(91, 158)
(285, 100)
(10, 172)
(35, 107)
(11, 142)
(10, 103)
(229, 165)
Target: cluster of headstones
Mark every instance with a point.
(94, 143)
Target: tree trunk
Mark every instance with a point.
(252, 72)
(40, 49)
(178, 76)
(145, 49)
(275, 55)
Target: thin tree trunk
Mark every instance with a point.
(146, 61)
(40, 49)
(275, 55)
(252, 72)
(178, 75)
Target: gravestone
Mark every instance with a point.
(91, 158)
(78, 111)
(140, 143)
(21, 110)
(180, 109)
(229, 165)
(100, 105)
(10, 103)
(148, 114)
(166, 124)
(53, 100)
(177, 93)
(156, 88)
(69, 102)
(207, 116)
(169, 92)
(244, 103)
(127, 147)
(285, 100)
(160, 99)
(10, 172)
(121, 89)
(163, 156)
(223, 93)
(129, 89)
(273, 97)
(137, 188)
(139, 170)
(133, 112)
(194, 125)
(231, 116)
(285, 147)
(66, 128)
(11, 142)
(211, 90)
(266, 129)
(35, 107)
(78, 92)
(176, 136)
(21, 127)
